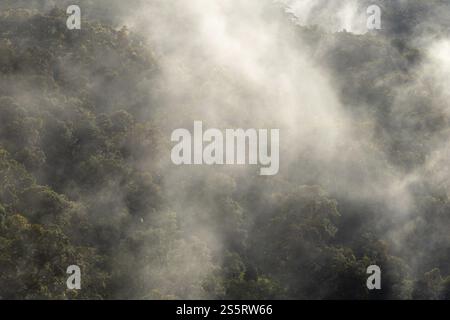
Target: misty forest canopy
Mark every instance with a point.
(86, 177)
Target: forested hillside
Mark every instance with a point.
(86, 179)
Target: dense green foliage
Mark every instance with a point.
(82, 150)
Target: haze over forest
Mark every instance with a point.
(85, 171)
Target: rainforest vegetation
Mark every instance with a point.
(86, 177)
